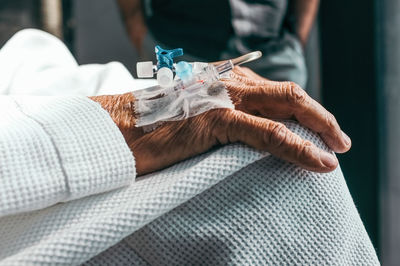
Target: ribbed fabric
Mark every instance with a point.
(268, 213)
(120, 254)
(57, 149)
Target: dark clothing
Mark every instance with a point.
(200, 27)
(204, 27)
(211, 30)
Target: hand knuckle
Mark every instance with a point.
(304, 152)
(278, 135)
(221, 116)
(295, 94)
(330, 120)
(222, 121)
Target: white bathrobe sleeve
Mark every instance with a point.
(56, 149)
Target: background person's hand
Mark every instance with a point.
(257, 100)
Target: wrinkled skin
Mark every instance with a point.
(257, 101)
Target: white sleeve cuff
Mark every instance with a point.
(61, 148)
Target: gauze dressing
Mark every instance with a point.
(201, 92)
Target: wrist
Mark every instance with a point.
(121, 110)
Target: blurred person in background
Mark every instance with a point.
(213, 30)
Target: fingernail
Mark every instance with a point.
(328, 159)
(346, 138)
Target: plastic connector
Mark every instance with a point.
(165, 57)
(224, 67)
(165, 77)
(183, 70)
(145, 69)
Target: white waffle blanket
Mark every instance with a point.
(231, 205)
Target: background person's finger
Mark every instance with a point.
(285, 100)
(274, 137)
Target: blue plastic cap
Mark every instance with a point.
(184, 70)
(165, 57)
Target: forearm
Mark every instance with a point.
(304, 12)
(131, 11)
(129, 8)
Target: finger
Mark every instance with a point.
(246, 72)
(284, 100)
(313, 115)
(246, 76)
(276, 138)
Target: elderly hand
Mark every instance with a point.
(257, 100)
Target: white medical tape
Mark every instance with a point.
(155, 104)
